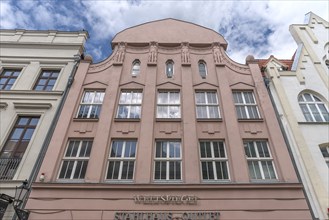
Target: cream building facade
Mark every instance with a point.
(35, 70)
(301, 96)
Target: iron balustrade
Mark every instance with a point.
(8, 167)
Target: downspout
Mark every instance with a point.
(50, 132)
(267, 84)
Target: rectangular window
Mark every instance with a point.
(130, 104)
(168, 160)
(207, 105)
(122, 158)
(213, 160)
(46, 80)
(8, 78)
(91, 104)
(245, 105)
(75, 161)
(260, 161)
(14, 148)
(168, 105)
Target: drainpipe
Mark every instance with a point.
(50, 132)
(267, 84)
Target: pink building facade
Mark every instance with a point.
(168, 127)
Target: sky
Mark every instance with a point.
(258, 27)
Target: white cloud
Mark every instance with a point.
(260, 28)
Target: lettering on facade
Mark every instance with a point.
(166, 199)
(167, 216)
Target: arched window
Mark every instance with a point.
(313, 108)
(136, 68)
(202, 69)
(170, 68)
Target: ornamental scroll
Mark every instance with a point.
(218, 56)
(152, 59)
(120, 54)
(185, 54)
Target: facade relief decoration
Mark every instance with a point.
(120, 54)
(153, 53)
(185, 54)
(218, 57)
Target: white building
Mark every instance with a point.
(301, 96)
(35, 71)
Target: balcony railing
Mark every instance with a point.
(8, 167)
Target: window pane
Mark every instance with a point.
(200, 98)
(268, 170)
(324, 112)
(201, 111)
(221, 168)
(254, 170)
(306, 112)
(162, 98)
(315, 112)
(250, 149)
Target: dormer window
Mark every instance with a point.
(202, 69)
(170, 68)
(136, 68)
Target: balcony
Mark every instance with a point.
(8, 167)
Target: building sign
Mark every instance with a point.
(166, 199)
(166, 216)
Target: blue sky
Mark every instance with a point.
(260, 28)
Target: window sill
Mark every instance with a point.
(216, 181)
(251, 120)
(168, 181)
(209, 119)
(119, 181)
(262, 181)
(70, 181)
(86, 119)
(128, 119)
(314, 123)
(168, 119)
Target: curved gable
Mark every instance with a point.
(169, 31)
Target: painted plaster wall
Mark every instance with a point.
(94, 197)
(32, 52)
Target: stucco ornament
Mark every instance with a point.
(185, 53)
(120, 55)
(153, 53)
(218, 57)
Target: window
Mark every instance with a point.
(325, 153)
(75, 161)
(202, 69)
(168, 105)
(213, 160)
(91, 104)
(130, 104)
(260, 161)
(8, 78)
(207, 105)
(47, 80)
(170, 68)
(136, 68)
(122, 160)
(313, 108)
(245, 105)
(168, 160)
(19, 137)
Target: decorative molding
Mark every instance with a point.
(153, 54)
(84, 128)
(126, 128)
(210, 129)
(27, 105)
(168, 128)
(3, 105)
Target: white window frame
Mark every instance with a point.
(245, 105)
(213, 159)
(316, 101)
(169, 104)
(129, 104)
(258, 159)
(203, 75)
(207, 104)
(136, 67)
(167, 160)
(92, 103)
(121, 159)
(75, 159)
